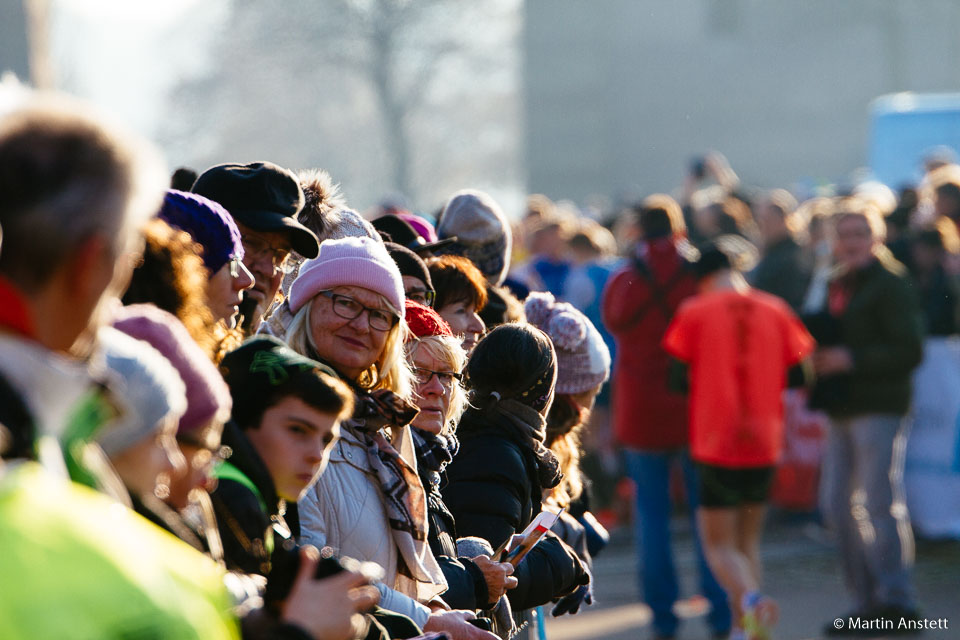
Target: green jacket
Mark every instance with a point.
(883, 328)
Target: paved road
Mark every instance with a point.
(801, 572)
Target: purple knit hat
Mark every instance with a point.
(360, 262)
(208, 397)
(583, 359)
(208, 224)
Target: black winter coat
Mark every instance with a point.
(493, 491)
(467, 588)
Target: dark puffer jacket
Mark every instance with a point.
(493, 491)
(466, 587)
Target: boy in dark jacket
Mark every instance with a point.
(286, 415)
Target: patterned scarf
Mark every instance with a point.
(403, 493)
(434, 452)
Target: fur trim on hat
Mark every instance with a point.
(323, 201)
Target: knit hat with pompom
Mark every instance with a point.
(583, 359)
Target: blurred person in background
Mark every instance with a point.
(900, 223)
(483, 234)
(75, 194)
(549, 262)
(718, 216)
(461, 296)
(783, 269)
(141, 445)
(944, 185)
(264, 199)
(708, 176)
(650, 418)
(934, 251)
(739, 344)
(190, 514)
(815, 214)
(874, 306)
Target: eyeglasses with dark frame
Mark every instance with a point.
(257, 250)
(426, 297)
(349, 309)
(446, 378)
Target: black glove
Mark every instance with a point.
(571, 603)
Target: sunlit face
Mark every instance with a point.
(854, 243)
(142, 465)
(349, 346)
(264, 253)
(198, 474)
(294, 441)
(464, 321)
(433, 394)
(225, 289)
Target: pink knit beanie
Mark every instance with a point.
(207, 394)
(583, 359)
(360, 262)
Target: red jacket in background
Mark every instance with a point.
(646, 414)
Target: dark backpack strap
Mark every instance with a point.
(658, 292)
(17, 429)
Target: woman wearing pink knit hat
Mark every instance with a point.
(369, 504)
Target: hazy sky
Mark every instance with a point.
(126, 56)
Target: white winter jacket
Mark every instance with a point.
(344, 510)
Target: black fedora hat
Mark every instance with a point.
(262, 196)
(402, 233)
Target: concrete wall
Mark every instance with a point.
(620, 94)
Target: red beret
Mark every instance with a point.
(424, 321)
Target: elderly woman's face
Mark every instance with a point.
(350, 346)
(434, 389)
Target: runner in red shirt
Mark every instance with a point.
(739, 344)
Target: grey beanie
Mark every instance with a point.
(146, 385)
(482, 232)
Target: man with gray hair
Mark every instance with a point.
(75, 193)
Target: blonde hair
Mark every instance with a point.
(449, 350)
(390, 371)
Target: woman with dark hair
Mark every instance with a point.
(461, 296)
(511, 377)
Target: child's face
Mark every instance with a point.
(294, 441)
(141, 465)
